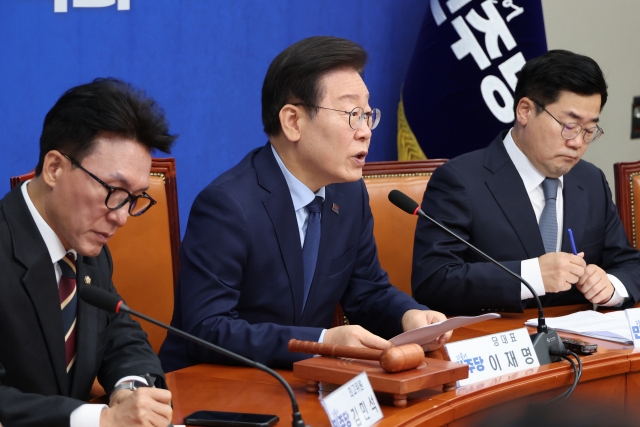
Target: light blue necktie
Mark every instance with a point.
(311, 245)
(548, 220)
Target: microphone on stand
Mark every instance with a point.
(546, 342)
(112, 303)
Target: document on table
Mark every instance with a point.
(428, 333)
(611, 326)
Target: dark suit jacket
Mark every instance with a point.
(240, 284)
(482, 198)
(33, 380)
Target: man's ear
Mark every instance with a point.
(52, 168)
(290, 116)
(525, 110)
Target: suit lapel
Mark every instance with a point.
(86, 332)
(330, 228)
(507, 188)
(575, 206)
(39, 281)
(279, 207)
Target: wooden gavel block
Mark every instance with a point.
(394, 359)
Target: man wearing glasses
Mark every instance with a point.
(274, 244)
(517, 200)
(92, 173)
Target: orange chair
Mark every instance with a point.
(393, 229)
(627, 183)
(145, 251)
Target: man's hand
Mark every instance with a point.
(560, 270)
(119, 396)
(145, 406)
(413, 319)
(595, 285)
(355, 336)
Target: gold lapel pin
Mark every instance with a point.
(87, 280)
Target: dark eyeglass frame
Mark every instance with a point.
(582, 129)
(368, 114)
(131, 198)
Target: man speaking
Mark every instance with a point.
(275, 243)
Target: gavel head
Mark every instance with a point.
(401, 358)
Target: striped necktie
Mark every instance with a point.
(69, 305)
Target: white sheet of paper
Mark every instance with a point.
(611, 326)
(428, 333)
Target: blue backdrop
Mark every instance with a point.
(202, 60)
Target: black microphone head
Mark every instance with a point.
(403, 201)
(100, 298)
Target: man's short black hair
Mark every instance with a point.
(106, 105)
(543, 78)
(294, 75)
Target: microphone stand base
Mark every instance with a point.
(545, 341)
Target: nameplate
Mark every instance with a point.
(353, 404)
(633, 318)
(494, 355)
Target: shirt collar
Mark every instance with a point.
(54, 245)
(300, 193)
(531, 177)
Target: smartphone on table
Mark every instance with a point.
(226, 419)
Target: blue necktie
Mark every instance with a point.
(548, 220)
(311, 245)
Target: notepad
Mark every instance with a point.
(611, 326)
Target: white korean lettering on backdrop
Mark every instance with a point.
(60, 6)
(493, 27)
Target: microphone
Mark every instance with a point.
(545, 340)
(112, 303)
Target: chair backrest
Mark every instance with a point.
(393, 229)
(145, 251)
(627, 182)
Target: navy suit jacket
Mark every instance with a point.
(482, 198)
(241, 273)
(34, 389)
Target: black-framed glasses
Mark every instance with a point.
(356, 116)
(571, 130)
(117, 197)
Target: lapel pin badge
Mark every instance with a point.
(335, 208)
(87, 280)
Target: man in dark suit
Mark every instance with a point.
(275, 243)
(517, 199)
(92, 173)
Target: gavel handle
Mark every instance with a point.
(309, 347)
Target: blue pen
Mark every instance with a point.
(573, 242)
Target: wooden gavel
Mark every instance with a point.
(394, 359)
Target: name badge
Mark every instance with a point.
(494, 355)
(633, 317)
(353, 404)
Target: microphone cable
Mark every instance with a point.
(577, 374)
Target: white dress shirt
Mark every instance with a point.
(532, 179)
(87, 415)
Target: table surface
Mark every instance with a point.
(241, 389)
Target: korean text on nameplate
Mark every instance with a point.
(494, 355)
(354, 404)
